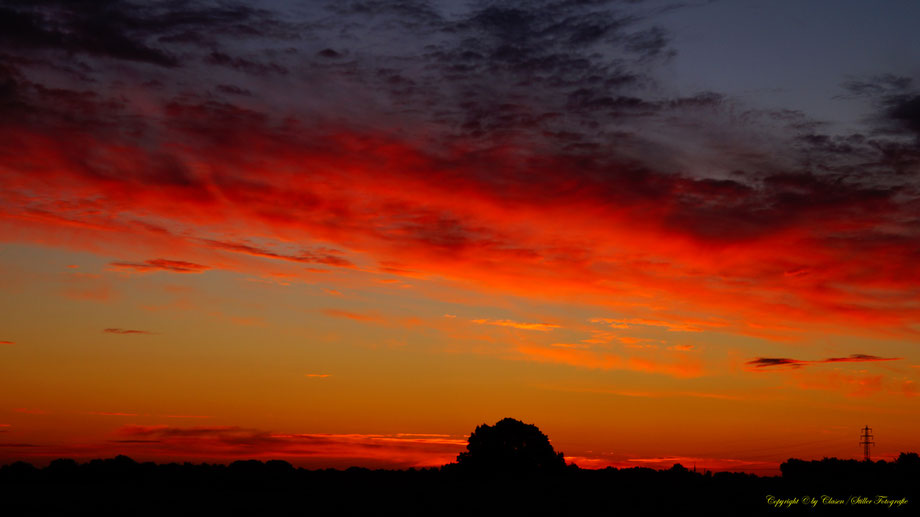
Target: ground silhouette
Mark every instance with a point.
(529, 481)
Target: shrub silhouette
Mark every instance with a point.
(510, 446)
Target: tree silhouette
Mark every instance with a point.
(510, 446)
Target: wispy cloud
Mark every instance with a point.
(672, 326)
(126, 331)
(327, 257)
(173, 266)
(541, 327)
(357, 316)
(766, 362)
(680, 366)
(647, 394)
(31, 411)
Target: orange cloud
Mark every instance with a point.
(648, 394)
(681, 367)
(853, 385)
(541, 327)
(338, 313)
(858, 384)
(672, 326)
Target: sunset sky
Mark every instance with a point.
(347, 233)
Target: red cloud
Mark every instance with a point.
(502, 219)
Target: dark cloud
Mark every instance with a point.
(101, 28)
(496, 70)
(877, 86)
(127, 30)
(905, 111)
(328, 53)
(896, 101)
(859, 358)
(245, 65)
(233, 90)
(764, 362)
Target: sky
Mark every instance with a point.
(347, 233)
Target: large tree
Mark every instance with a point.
(510, 445)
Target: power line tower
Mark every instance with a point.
(866, 441)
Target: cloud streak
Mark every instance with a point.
(539, 327)
(768, 362)
(172, 266)
(126, 331)
(338, 313)
(679, 365)
(229, 442)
